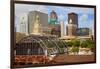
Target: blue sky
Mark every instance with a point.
(85, 15)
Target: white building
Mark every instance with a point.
(62, 28)
(24, 24)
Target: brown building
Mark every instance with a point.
(72, 24)
(55, 30)
(74, 17)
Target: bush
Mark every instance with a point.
(76, 43)
(87, 44)
(75, 49)
(70, 44)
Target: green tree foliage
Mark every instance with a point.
(75, 47)
(87, 44)
(90, 43)
(75, 50)
(84, 44)
(70, 44)
(76, 43)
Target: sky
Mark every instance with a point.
(85, 15)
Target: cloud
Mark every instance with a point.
(83, 18)
(61, 17)
(85, 21)
(42, 9)
(25, 8)
(80, 10)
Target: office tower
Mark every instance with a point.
(73, 17)
(37, 26)
(53, 18)
(72, 24)
(43, 20)
(24, 24)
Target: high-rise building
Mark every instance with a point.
(43, 20)
(53, 18)
(62, 28)
(37, 26)
(72, 24)
(23, 24)
(73, 18)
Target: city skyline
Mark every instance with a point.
(85, 15)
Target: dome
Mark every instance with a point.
(53, 45)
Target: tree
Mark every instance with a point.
(90, 43)
(70, 44)
(19, 36)
(75, 47)
(83, 44)
(87, 44)
(75, 50)
(76, 43)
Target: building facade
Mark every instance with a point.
(74, 17)
(62, 28)
(23, 24)
(43, 20)
(83, 32)
(72, 24)
(53, 18)
(55, 29)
